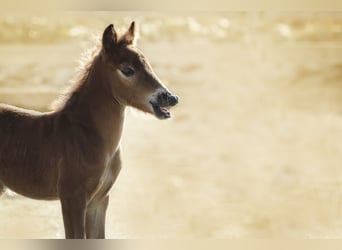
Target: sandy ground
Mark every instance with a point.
(253, 150)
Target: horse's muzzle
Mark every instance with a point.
(162, 103)
(168, 99)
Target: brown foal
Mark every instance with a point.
(73, 153)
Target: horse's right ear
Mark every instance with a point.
(109, 38)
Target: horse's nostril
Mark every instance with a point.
(173, 100)
(162, 98)
(166, 98)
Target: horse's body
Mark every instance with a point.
(73, 153)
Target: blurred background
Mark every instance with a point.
(254, 149)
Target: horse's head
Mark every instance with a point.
(131, 77)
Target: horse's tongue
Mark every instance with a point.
(164, 109)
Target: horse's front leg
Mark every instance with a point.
(74, 205)
(96, 210)
(96, 219)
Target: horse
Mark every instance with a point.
(72, 153)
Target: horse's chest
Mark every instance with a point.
(106, 180)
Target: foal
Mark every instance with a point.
(73, 153)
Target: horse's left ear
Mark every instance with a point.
(132, 35)
(109, 38)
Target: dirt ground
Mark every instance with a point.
(253, 149)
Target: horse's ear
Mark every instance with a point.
(109, 38)
(132, 35)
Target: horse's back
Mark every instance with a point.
(14, 112)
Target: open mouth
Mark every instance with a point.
(162, 112)
(162, 103)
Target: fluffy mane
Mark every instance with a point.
(84, 67)
(85, 64)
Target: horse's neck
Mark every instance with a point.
(97, 107)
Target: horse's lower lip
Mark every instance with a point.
(161, 112)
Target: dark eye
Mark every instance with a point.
(127, 71)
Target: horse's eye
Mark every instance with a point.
(127, 71)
